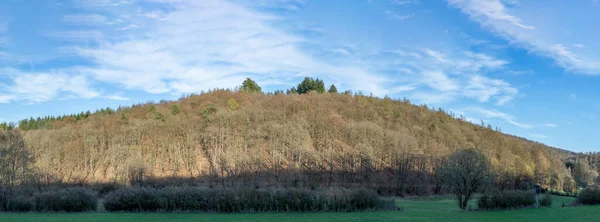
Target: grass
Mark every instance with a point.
(434, 209)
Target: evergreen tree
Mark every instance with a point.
(123, 118)
(332, 89)
(174, 109)
(320, 86)
(250, 85)
(310, 84)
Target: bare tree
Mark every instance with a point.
(465, 172)
(15, 160)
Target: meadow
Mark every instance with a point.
(429, 209)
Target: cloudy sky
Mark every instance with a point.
(528, 67)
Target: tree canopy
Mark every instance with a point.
(251, 86)
(465, 172)
(310, 84)
(332, 89)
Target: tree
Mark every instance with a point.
(15, 160)
(232, 105)
(250, 86)
(174, 109)
(332, 89)
(123, 118)
(310, 84)
(292, 91)
(320, 86)
(583, 174)
(465, 172)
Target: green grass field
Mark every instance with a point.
(437, 209)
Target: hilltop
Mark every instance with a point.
(303, 137)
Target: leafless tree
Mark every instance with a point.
(465, 172)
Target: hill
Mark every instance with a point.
(240, 138)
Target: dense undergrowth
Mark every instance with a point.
(196, 199)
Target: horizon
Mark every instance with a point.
(530, 74)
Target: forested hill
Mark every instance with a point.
(301, 138)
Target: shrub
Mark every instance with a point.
(19, 204)
(506, 200)
(195, 199)
(76, 199)
(3, 201)
(589, 196)
(133, 200)
(546, 201)
(364, 199)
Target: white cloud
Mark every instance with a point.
(451, 75)
(208, 44)
(41, 87)
(101, 3)
(188, 46)
(439, 81)
(551, 125)
(77, 35)
(435, 54)
(401, 2)
(483, 88)
(340, 51)
(393, 15)
(491, 113)
(537, 135)
(89, 19)
(495, 16)
(117, 97)
(7, 98)
(488, 11)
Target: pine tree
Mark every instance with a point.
(250, 86)
(332, 89)
(174, 109)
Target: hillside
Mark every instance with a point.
(314, 139)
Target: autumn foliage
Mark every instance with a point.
(227, 138)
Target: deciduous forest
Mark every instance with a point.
(306, 137)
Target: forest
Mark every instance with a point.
(307, 137)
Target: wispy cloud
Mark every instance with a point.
(492, 113)
(41, 87)
(209, 44)
(537, 135)
(394, 15)
(489, 11)
(117, 96)
(551, 125)
(3, 26)
(451, 76)
(495, 16)
(85, 19)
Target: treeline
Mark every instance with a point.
(307, 137)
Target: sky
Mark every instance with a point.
(530, 67)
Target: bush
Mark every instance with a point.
(133, 200)
(74, 199)
(589, 196)
(19, 204)
(3, 201)
(193, 199)
(546, 201)
(364, 199)
(506, 200)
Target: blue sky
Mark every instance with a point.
(528, 67)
